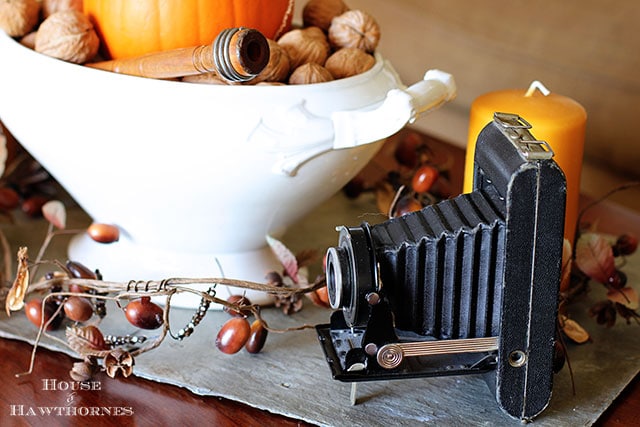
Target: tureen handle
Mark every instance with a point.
(401, 106)
(298, 135)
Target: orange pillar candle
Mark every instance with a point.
(556, 119)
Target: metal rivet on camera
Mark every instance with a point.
(371, 349)
(517, 358)
(372, 298)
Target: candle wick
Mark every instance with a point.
(539, 86)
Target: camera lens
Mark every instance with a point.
(336, 275)
(351, 274)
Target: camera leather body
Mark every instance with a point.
(465, 286)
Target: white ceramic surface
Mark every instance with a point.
(196, 173)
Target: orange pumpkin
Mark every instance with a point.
(135, 27)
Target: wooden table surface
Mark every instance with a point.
(142, 402)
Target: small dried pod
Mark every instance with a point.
(118, 361)
(83, 371)
(310, 73)
(354, 28)
(349, 61)
(278, 68)
(49, 7)
(68, 35)
(319, 13)
(305, 45)
(19, 17)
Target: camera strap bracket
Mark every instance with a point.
(516, 129)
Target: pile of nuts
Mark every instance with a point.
(334, 42)
(64, 31)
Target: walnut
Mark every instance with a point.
(29, 40)
(68, 35)
(319, 13)
(310, 73)
(18, 17)
(348, 62)
(354, 28)
(49, 7)
(305, 45)
(278, 68)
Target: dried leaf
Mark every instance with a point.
(306, 257)
(385, 195)
(625, 296)
(87, 341)
(15, 297)
(573, 330)
(55, 212)
(594, 257)
(286, 258)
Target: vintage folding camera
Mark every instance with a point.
(465, 286)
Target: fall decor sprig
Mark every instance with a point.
(597, 258)
(77, 295)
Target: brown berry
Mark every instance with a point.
(407, 204)
(32, 206)
(626, 244)
(354, 188)
(323, 295)
(144, 314)
(34, 312)
(424, 178)
(103, 233)
(78, 309)
(274, 278)
(406, 152)
(80, 271)
(239, 300)
(9, 198)
(257, 337)
(233, 335)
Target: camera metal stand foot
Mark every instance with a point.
(353, 396)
